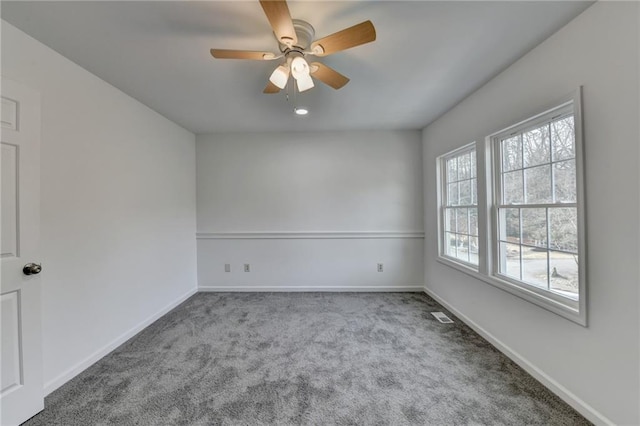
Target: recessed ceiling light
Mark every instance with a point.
(301, 111)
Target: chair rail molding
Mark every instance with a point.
(309, 235)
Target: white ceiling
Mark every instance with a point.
(427, 57)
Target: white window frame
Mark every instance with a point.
(488, 173)
(443, 181)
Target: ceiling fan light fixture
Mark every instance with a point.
(304, 83)
(280, 76)
(296, 40)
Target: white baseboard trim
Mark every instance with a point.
(563, 393)
(244, 288)
(63, 378)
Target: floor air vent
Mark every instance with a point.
(442, 317)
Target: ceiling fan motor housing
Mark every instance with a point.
(305, 34)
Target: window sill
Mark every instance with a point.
(564, 310)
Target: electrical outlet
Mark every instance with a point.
(247, 268)
(380, 267)
(227, 267)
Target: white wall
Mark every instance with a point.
(358, 193)
(118, 208)
(599, 365)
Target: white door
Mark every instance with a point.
(21, 352)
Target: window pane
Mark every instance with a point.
(511, 154)
(534, 227)
(462, 221)
(564, 273)
(563, 228)
(450, 244)
(534, 266)
(464, 166)
(564, 175)
(452, 194)
(452, 170)
(538, 183)
(473, 222)
(450, 220)
(563, 139)
(512, 188)
(510, 260)
(535, 146)
(465, 192)
(473, 163)
(474, 191)
(511, 227)
(462, 251)
(473, 250)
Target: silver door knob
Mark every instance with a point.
(31, 269)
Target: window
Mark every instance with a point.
(459, 206)
(536, 206)
(522, 229)
(536, 236)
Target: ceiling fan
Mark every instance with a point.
(296, 42)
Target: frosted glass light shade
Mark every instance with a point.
(280, 76)
(299, 67)
(304, 83)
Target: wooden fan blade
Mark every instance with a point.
(279, 17)
(241, 54)
(345, 39)
(328, 75)
(271, 88)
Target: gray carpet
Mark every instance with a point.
(305, 358)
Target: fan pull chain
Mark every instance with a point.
(295, 104)
(287, 89)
